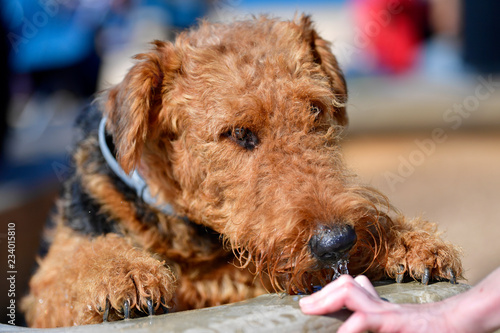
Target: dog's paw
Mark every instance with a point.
(134, 290)
(136, 293)
(120, 283)
(423, 256)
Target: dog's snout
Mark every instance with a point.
(329, 244)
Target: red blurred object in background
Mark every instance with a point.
(394, 30)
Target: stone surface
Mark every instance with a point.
(267, 313)
(414, 292)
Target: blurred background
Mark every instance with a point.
(424, 103)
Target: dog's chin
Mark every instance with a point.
(322, 274)
(306, 282)
(300, 274)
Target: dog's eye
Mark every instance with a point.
(315, 110)
(240, 133)
(243, 137)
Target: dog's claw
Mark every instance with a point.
(427, 275)
(106, 312)
(151, 310)
(163, 307)
(400, 275)
(453, 277)
(126, 309)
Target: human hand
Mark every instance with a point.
(371, 312)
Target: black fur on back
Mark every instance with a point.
(82, 213)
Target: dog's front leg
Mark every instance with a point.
(87, 280)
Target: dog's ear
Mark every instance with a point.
(322, 55)
(135, 103)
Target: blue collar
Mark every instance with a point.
(134, 179)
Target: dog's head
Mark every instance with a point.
(237, 126)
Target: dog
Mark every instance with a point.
(212, 174)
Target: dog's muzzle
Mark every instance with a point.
(331, 243)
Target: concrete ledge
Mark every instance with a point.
(267, 313)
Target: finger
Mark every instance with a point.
(333, 286)
(366, 284)
(350, 294)
(361, 322)
(328, 290)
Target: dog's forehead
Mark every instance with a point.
(256, 31)
(246, 72)
(257, 44)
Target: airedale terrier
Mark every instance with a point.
(213, 173)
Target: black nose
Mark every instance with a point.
(330, 243)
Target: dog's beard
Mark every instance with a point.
(319, 275)
(294, 271)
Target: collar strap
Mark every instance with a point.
(134, 179)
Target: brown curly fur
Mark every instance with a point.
(167, 119)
